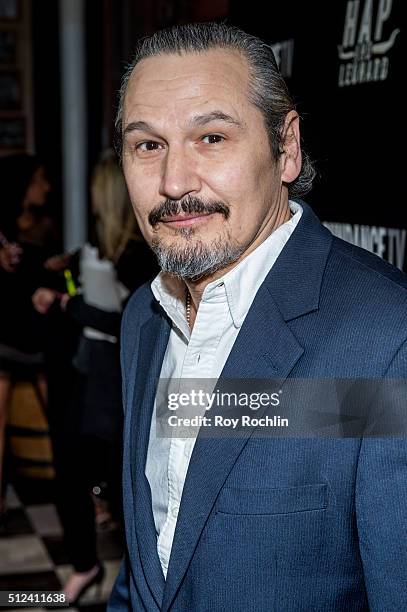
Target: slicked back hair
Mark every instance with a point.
(267, 88)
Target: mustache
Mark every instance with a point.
(191, 204)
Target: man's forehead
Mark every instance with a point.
(172, 69)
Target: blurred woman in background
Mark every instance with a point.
(88, 450)
(27, 240)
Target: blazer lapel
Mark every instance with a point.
(153, 342)
(264, 349)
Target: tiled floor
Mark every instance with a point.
(32, 555)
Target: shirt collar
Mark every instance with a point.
(249, 273)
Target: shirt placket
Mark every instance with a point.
(198, 363)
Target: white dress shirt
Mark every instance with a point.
(201, 353)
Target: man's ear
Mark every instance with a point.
(290, 148)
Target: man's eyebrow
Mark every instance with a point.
(141, 126)
(202, 120)
(198, 120)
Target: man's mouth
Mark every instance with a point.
(186, 219)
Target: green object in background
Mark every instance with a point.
(70, 285)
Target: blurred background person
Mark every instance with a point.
(87, 445)
(28, 239)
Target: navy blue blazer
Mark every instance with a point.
(278, 525)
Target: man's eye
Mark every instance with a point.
(149, 145)
(212, 138)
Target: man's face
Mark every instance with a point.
(197, 161)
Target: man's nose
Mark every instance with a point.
(179, 175)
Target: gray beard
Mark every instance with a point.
(197, 260)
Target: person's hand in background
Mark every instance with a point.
(43, 299)
(65, 297)
(10, 255)
(58, 262)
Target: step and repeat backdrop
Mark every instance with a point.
(345, 63)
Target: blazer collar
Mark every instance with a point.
(295, 279)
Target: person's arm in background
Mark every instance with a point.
(134, 268)
(90, 316)
(78, 310)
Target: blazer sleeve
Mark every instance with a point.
(137, 311)
(119, 600)
(381, 504)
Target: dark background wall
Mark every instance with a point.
(350, 99)
(352, 126)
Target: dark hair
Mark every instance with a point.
(16, 173)
(268, 90)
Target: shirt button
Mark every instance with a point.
(175, 511)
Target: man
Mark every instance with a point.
(252, 286)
